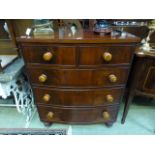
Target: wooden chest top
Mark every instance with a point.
(81, 37)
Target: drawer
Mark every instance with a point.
(149, 82)
(76, 97)
(56, 55)
(78, 115)
(95, 55)
(107, 76)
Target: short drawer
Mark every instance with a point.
(102, 77)
(100, 55)
(56, 55)
(78, 115)
(76, 97)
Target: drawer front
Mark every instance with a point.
(105, 55)
(149, 82)
(56, 55)
(76, 97)
(78, 115)
(78, 77)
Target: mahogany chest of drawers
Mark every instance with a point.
(78, 79)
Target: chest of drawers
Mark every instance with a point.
(143, 68)
(78, 79)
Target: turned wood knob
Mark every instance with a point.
(46, 98)
(106, 116)
(47, 56)
(107, 56)
(50, 115)
(112, 78)
(109, 98)
(42, 78)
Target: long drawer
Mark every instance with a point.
(78, 115)
(55, 55)
(102, 77)
(76, 97)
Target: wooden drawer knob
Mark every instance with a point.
(46, 98)
(112, 78)
(107, 56)
(106, 116)
(47, 56)
(42, 78)
(50, 115)
(109, 98)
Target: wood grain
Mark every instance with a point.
(78, 88)
(77, 97)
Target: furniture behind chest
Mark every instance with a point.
(142, 78)
(78, 78)
(13, 83)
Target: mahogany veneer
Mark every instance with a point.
(70, 77)
(80, 78)
(77, 97)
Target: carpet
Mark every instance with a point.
(32, 131)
